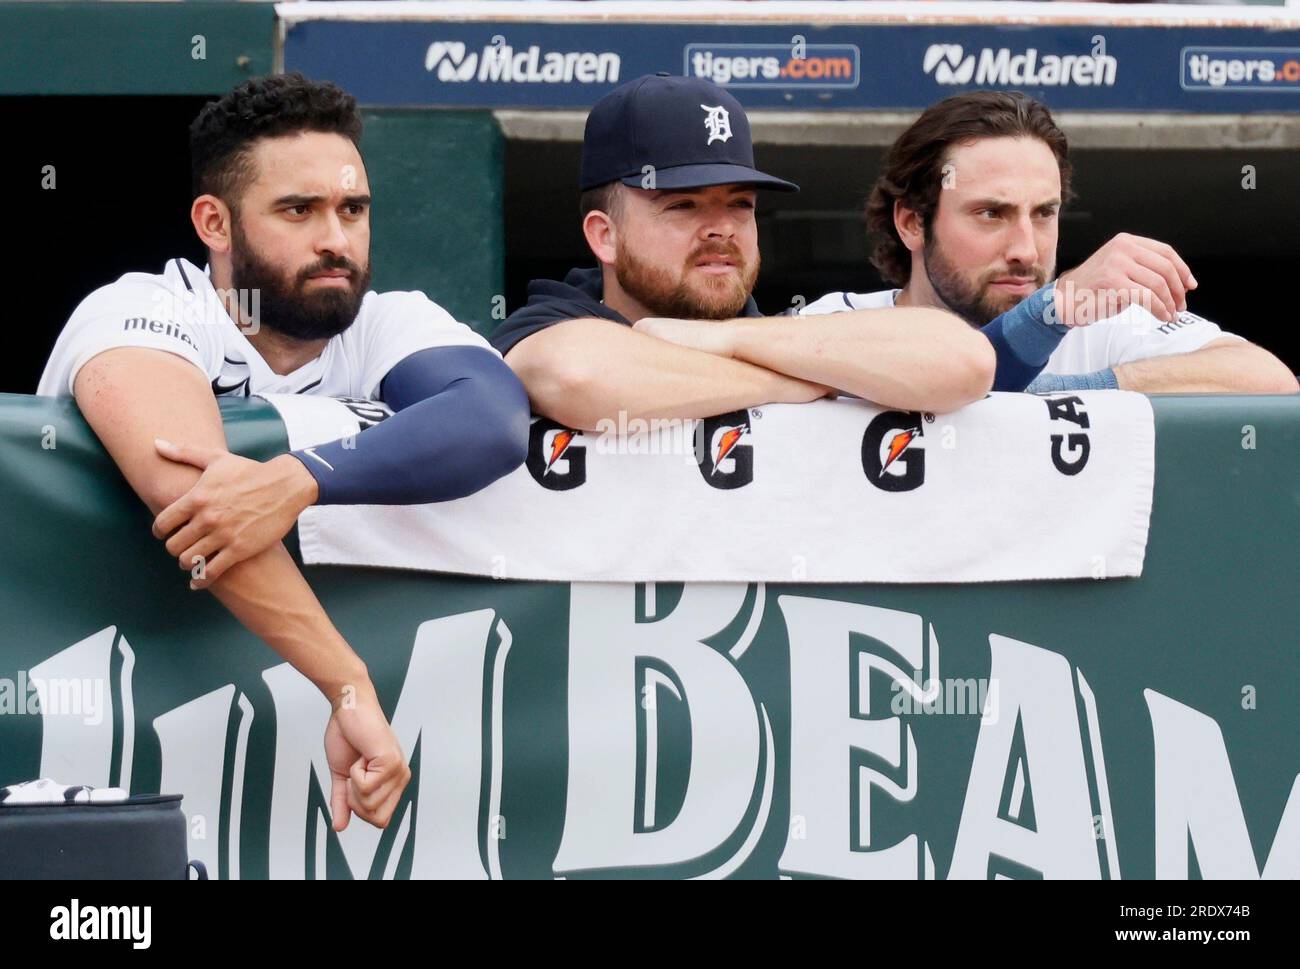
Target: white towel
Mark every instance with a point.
(49, 791)
(1013, 487)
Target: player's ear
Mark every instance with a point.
(601, 233)
(211, 219)
(908, 225)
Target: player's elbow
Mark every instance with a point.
(1253, 370)
(981, 362)
(1275, 381)
(565, 386)
(503, 436)
(491, 440)
(964, 371)
(1274, 377)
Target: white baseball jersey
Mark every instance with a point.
(1133, 334)
(179, 311)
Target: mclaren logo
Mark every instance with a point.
(948, 65)
(451, 62)
(448, 60)
(557, 458)
(891, 456)
(1002, 67)
(724, 460)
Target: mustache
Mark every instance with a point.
(728, 249)
(1036, 273)
(327, 264)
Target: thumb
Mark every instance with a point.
(339, 802)
(199, 457)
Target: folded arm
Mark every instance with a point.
(580, 372)
(1224, 366)
(912, 358)
(132, 396)
(460, 422)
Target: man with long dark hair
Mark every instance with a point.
(965, 217)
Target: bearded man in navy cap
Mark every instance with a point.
(664, 325)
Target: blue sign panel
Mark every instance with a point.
(850, 67)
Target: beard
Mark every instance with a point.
(974, 302)
(710, 298)
(287, 306)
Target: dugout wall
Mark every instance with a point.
(1145, 727)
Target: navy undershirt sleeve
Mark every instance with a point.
(536, 316)
(460, 422)
(1024, 338)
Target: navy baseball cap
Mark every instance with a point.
(692, 132)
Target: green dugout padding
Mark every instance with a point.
(1131, 728)
(133, 48)
(438, 222)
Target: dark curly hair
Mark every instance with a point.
(222, 136)
(913, 170)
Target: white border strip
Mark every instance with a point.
(784, 11)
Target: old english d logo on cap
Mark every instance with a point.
(718, 123)
(687, 130)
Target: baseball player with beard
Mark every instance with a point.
(664, 325)
(965, 217)
(282, 205)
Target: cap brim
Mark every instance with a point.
(702, 176)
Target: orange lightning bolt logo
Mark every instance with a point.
(897, 446)
(726, 444)
(558, 446)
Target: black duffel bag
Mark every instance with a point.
(140, 837)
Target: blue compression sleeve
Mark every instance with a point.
(1051, 383)
(1024, 337)
(461, 422)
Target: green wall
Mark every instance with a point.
(437, 222)
(133, 48)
